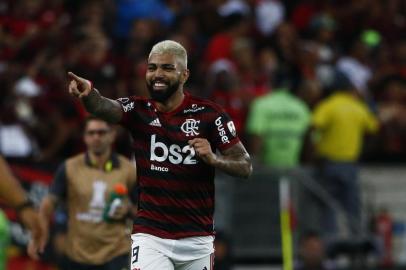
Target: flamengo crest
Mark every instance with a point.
(190, 127)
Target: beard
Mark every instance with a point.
(162, 95)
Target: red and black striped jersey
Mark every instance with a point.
(176, 188)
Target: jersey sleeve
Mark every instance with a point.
(223, 132)
(58, 187)
(128, 107)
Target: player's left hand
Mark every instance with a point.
(203, 150)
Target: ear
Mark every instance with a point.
(185, 75)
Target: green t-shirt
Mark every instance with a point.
(4, 239)
(281, 120)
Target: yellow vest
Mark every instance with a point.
(341, 122)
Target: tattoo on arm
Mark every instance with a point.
(105, 108)
(235, 161)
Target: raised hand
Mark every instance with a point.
(78, 86)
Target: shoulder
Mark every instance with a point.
(125, 162)
(75, 160)
(204, 104)
(72, 164)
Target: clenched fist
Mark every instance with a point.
(203, 150)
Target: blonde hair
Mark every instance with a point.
(171, 47)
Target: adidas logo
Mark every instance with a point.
(155, 123)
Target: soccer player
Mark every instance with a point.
(84, 183)
(175, 138)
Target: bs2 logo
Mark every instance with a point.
(174, 153)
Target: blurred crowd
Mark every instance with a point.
(235, 49)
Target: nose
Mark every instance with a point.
(158, 73)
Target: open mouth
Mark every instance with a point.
(159, 86)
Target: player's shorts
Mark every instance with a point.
(192, 253)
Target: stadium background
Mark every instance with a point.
(244, 42)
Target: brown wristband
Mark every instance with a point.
(26, 204)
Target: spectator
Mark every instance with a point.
(253, 83)
(285, 43)
(392, 113)
(269, 14)
(225, 89)
(312, 254)
(356, 66)
(340, 123)
(278, 123)
(92, 242)
(310, 91)
(323, 28)
(220, 45)
(16, 128)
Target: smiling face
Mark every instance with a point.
(165, 75)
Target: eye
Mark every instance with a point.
(151, 67)
(168, 67)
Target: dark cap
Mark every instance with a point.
(341, 82)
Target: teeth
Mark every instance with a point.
(159, 84)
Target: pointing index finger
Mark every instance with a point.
(74, 76)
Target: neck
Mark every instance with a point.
(99, 159)
(172, 102)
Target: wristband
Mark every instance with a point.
(26, 204)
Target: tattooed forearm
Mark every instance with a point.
(107, 109)
(235, 161)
